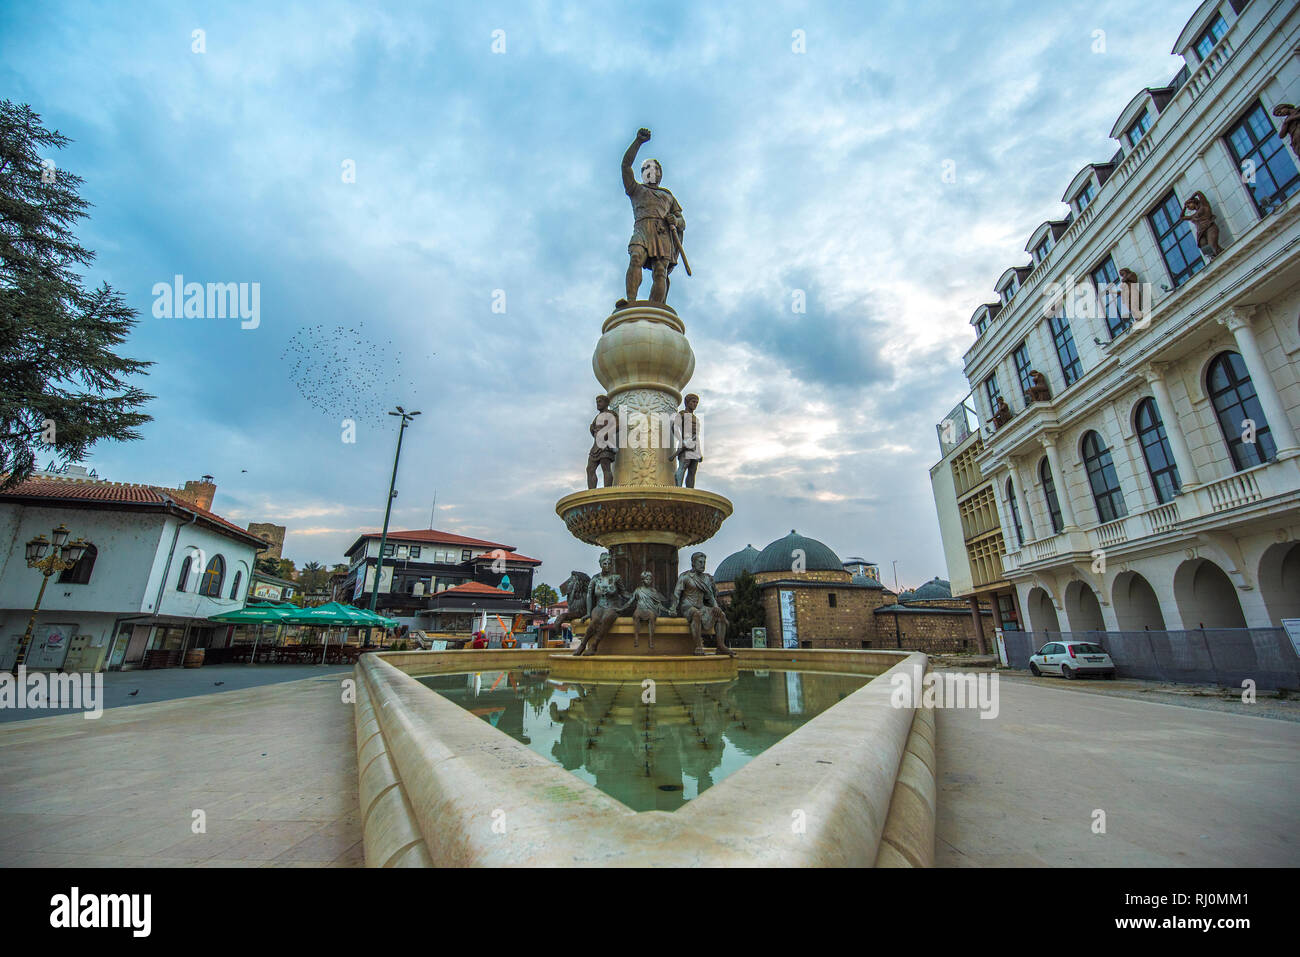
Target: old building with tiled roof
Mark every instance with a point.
(441, 581)
(159, 563)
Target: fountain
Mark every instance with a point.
(651, 509)
(526, 757)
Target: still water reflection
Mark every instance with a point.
(650, 756)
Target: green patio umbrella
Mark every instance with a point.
(254, 615)
(336, 613)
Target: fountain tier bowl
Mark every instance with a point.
(662, 515)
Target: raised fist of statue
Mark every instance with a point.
(642, 135)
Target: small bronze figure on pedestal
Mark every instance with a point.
(696, 599)
(686, 429)
(604, 445)
(646, 605)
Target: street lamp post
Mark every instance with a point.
(61, 557)
(406, 417)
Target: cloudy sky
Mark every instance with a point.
(806, 142)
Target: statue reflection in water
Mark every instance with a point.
(642, 753)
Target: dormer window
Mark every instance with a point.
(1042, 249)
(1211, 37)
(1084, 196)
(982, 325)
(1008, 292)
(1139, 128)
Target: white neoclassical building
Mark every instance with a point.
(1156, 484)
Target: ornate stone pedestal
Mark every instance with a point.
(643, 528)
(643, 362)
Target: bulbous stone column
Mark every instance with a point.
(643, 362)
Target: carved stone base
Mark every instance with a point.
(672, 637)
(625, 668)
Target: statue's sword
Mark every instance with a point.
(677, 241)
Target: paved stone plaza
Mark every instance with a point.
(169, 683)
(1181, 786)
(273, 767)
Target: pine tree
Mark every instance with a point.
(746, 610)
(63, 387)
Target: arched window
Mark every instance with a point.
(79, 574)
(1156, 451)
(213, 576)
(1236, 405)
(1015, 512)
(234, 589)
(1049, 492)
(185, 574)
(1101, 476)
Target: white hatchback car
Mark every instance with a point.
(1070, 659)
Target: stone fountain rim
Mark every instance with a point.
(630, 493)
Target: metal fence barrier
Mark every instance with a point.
(1222, 656)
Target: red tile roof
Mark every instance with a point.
(503, 555)
(433, 535)
(478, 588)
(121, 493)
(428, 535)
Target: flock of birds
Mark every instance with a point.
(347, 372)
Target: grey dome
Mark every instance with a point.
(935, 588)
(780, 555)
(908, 594)
(729, 568)
(867, 581)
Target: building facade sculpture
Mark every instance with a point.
(1171, 446)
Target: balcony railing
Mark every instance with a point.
(1113, 533)
(1162, 518)
(1241, 490)
(1233, 491)
(1043, 548)
(1198, 82)
(1137, 156)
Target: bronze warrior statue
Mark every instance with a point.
(604, 443)
(605, 597)
(686, 430)
(657, 232)
(696, 600)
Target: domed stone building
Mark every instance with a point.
(812, 599)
